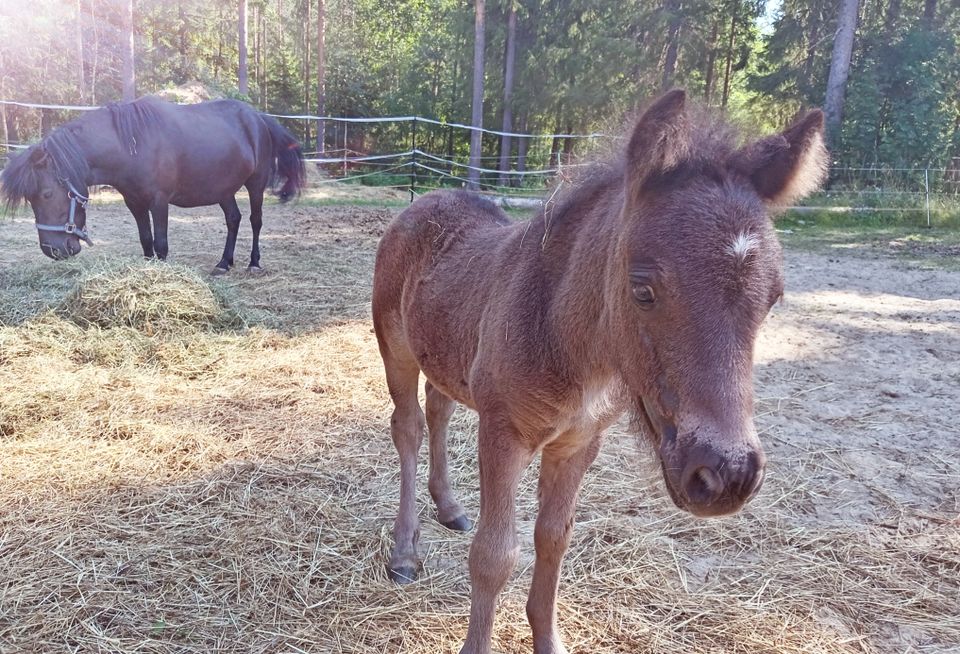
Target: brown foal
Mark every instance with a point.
(642, 289)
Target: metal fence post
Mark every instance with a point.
(926, 185)
(345, 148)
(413, 159)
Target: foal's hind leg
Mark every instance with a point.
(449, 511)
(231, 212)
(406, 427)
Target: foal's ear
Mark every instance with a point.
(788, 166)
(659, 141)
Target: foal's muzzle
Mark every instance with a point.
(710, 483)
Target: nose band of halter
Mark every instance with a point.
(76, 198)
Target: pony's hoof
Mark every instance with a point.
(460, 523)
(403, 574)
(254, 269)
(219, 271)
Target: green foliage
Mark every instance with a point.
(581, 65)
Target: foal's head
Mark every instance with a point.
(698, 267)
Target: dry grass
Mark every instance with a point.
(173, 481)
(150, 297)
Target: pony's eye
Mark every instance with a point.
(47, 194)
(643, 294)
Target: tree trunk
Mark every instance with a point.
(891, 17)
(568, 144)
(95, 68)
(81, 82)
(3, 113)
(555, 143)
(929, 13)
(263, 58)
(182, 43)
(840, 67)
(306, 73)
(255, 32)
(242, 84)
(523, 145)
(129, 76)
(711, 63)
(726, 72)
(476, 136)
(13, 133)
(506, 144)
(321, 75)
(218, 62)
(673, 44)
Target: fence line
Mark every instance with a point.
(857, 184)
(343, 119)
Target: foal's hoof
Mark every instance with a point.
(460, 523)
(254, 269)
(403, 574)
(219, 271)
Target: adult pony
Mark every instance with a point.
(155, 154)
(643, 288)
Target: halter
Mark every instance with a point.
(76, 198)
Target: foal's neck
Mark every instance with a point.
(579, 312)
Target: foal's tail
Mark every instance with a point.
(289, 159)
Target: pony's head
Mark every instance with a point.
(697, 268)
(51, 176)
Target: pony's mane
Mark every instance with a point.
(133, 121)
(711, 139)
(20, 179)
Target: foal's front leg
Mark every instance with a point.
(495, 550)
(561, 473)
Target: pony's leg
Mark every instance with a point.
(159, 212)
(449, 511)
(142, 215)
(561, 472)
(495, 549)
(406, 428)
(256, 222)
(231, 213)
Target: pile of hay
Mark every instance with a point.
(151, 297)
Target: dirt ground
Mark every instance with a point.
(240, 497)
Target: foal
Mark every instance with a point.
(644, 290)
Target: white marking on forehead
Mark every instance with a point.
(743, 244)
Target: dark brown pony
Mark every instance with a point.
(643, 289)
(155, 154)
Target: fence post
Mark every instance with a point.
(413, 159)
(345, 124)
(926, 185)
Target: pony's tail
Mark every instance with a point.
(289, 159)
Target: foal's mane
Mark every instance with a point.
(21, 179)
(711, 140)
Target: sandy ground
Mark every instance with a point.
(858, 400)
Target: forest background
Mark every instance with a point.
(886, 71)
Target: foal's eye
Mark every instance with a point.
(643, 294)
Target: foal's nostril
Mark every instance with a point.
(757, 483)
(703, 486)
